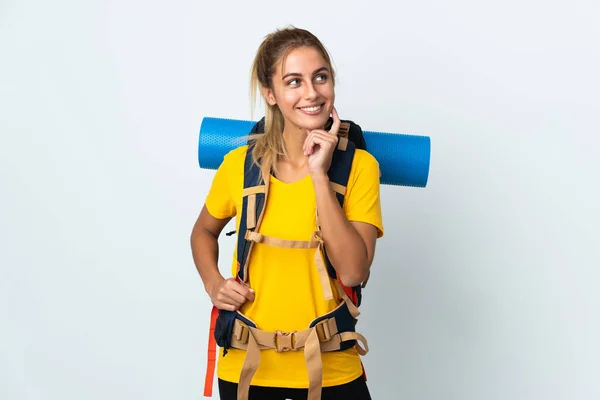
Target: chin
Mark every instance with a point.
(316, 124)
(312, 121)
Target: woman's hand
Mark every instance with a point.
(228, 294)
(319, 146)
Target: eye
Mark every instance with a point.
(293, 82)
(321, 77)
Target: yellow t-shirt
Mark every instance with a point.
(288, 294)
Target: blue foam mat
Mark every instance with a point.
(403, 159)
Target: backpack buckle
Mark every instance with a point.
(284, 341)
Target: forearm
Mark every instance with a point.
(205, 253)
(345, 247)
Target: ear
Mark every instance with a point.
(269, 95)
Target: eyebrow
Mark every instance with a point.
(297, 74)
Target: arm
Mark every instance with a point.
(350, 245)
(225, 294)
(205, 247)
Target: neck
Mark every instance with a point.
(294, 138)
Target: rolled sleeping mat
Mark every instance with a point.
(403, 159)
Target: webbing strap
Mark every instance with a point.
(354, 311)
(253, 190)
(249, 368)
(344, 129)
(285, 341)
(359, 338)
(309, 339)
(271, 241)
(338, 188)
(266, 180)
(320, 261)
(322, 270)
(212, 354)
(251, 213)
(317, 242)
(312, 355)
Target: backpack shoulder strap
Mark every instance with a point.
(254, 198)
(339, 173)
(341, 163)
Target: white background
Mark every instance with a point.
(486, 283)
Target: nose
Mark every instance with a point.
(310, 92)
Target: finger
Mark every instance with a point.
(225, 306)
(310, 147)
(236, 297)
(309, 144)
(233, 295)
(232, 298)
(336, 122)
(307, 140)
(250, 294)
(305, 145)
(243, 291)
(223, 302)
(321, 139)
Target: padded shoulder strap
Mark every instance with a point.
(341, 164)
(254, 196)
(339, 173)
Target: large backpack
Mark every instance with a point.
(334, 331)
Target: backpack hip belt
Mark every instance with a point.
(333, 331)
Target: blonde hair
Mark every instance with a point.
(267, 148)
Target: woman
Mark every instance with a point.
(294, 75)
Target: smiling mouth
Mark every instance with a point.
(311, 110)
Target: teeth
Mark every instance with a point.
(310, 109)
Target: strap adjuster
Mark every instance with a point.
(241, 332)
(284, 341)
(323, 330)
(253, 236)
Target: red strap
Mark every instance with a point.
(212, 354)
(364, 373)
(349, 291)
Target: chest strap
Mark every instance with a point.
(316, 242)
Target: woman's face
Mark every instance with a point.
(303, 89)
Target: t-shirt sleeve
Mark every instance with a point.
(219, 200)
(362, 202)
